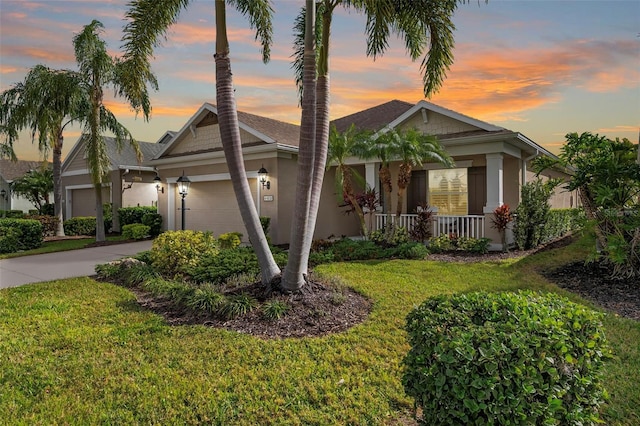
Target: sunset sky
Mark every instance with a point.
(543, 68)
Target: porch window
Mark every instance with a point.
(449, 191)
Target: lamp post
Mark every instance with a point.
(262, 177)
(183, 189)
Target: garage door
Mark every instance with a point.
(83, 201)
(212, 206)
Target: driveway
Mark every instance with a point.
(65, 264)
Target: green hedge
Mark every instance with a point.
(12, 214)
(154, 221)
(28, 233)
(80, 225)
(505, 358)
(129, 215)
(135, 231)
(49, 224)
(563, 221)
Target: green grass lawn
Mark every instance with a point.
(59, 245)
(81, 352)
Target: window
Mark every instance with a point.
(449, 192)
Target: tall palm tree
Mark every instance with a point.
(426, 27)
(341, 147)
(97, 70)
(412, 148)
(148, 23)
(45, 103)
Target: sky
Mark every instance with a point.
(543, 68)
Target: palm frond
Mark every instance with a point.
(260, 14)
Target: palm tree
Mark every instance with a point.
(148, 24)
(45, 103)
(341, 147)
(412, 148)
(426, 27)
(97, 70)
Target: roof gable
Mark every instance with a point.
(253, 128)
(374, 118)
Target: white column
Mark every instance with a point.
(495, 180)
(370, 174)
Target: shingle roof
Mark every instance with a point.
(127, 156)
(281, 132)
(10, 170)
(374, 118)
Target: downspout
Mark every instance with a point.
(524, 166)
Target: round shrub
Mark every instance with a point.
(176, 252)
(29, 237)
(135, 231)
(505, 358)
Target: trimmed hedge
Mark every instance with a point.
(28, 233)
(505, 358)
(12, 214)
(80, 225)
(563, 221)
(129, 215)
(154, 221)
(135, 231)
(49, 224)
(176, 252)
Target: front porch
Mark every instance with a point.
(470, 226)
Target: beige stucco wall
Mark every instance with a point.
(332, 222)
(511, 180)
(206, 138)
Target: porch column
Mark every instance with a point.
(495, 187)
(370, 175)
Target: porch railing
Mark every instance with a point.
(471, 226)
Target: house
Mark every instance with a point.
(131, 183)
(10, 171)
(491, 164)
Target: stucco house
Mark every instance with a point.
(10, 171)
(131, 183)
(491, 164)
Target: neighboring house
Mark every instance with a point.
(10, 171)
(130, 184)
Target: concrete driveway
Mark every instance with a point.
(65, 264)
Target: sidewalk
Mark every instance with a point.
(65, 264)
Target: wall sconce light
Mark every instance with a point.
(3, 194)
(158, 182)
(262, 177)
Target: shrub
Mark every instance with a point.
(48, 209)
(9, 239)
(30, 233)
(228, 263)
(412, 251)
(265, 222)
(154, 221)
(177, 252)
(135, 231)
(205, 299)
(473, 245)
(440, 244)
(319, 257)
(347, 249)
(508, 358)
(563, 221)
(12, 214)
(49, 224)
(107, 217)
(391, 236)
(237, 305)
(502, 216)
(274, 309)
(533, 213)
(129, 215)
(80, 225)
(229, 240)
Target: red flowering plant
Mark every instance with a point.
(502, 216)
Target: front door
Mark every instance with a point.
(477, 179)
(417, 190)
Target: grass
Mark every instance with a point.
(81, 352)
(59, 245)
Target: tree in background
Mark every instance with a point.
(606, 175)
(35, 186)
(45, 103)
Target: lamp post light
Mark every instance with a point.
(183, 189)
(262, 177)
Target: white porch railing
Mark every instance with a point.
(471, 226)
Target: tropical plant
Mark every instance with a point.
(427, 28)
(532, 213)
(45, 103)
(342, 146)
(147, 26)
(423, 227)
(501, 219)
(35, 186)
(606, 174)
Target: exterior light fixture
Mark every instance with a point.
(158, 182)
(262, 177)
(3, 193)
(183, 189)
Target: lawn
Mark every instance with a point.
(59, 245)
(81, 352)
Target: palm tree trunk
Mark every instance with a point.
(404, 177)
(385, 179)
(294, 278)
(232, 146)
(57, 184)
(100, 233)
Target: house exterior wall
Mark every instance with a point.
(332, 220)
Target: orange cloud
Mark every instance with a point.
(619, 129)
(39, 54)
(122, 109)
